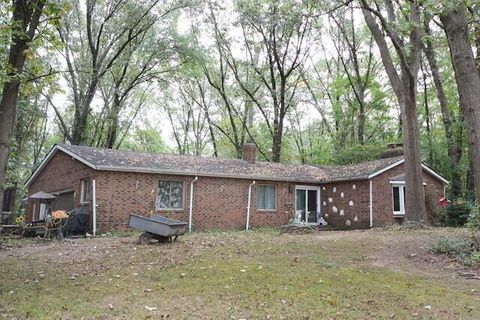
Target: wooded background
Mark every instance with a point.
(322, 82)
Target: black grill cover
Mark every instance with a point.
(77, 222)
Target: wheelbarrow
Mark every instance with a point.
(157, 227)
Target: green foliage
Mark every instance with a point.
(357, 153)
(474, 217)
(463, 249)
(145, 139)
(458, 213)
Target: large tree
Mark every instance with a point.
(26, 17)
(454, 19)
(276, 40)
(99, 41)
(395, 17)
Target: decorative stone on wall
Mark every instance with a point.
(345, 204)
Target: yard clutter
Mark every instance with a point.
(54, 224)
(157, 227)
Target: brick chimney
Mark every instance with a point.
(249, 152)
(394, 150)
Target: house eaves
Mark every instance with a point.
(49, 156)
(205, 174)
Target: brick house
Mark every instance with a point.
(219, 193)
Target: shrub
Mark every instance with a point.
(458, 213)
(474, 217)
(463, 249)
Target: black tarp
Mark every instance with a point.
(77, 222)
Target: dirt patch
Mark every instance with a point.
(399, 249)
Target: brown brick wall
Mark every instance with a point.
(221, 203)
(347, 212)
(60, 173)
(218, 203)
(383, 199)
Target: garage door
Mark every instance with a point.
(64, 201)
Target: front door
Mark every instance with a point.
(307, 207)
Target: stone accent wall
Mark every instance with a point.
(345, 205)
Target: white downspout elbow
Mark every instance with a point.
(247, 226)
(190, 213)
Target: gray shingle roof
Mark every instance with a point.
(359, 171)
(122, 160)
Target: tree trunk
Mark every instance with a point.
(405, 88)
(112, 122)
(454, 139)
(427, 116)
(25, 20)
(414, 203)
(468, 81)
(361, 115)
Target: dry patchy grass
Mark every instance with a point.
(238, 275)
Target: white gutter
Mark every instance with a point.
(247, 226)
(190, 213)
(371, 203)
(94, 204)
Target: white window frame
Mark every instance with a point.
(83, 194)
(401, 185)
(319, 198)
(183, 195)
(274, 192)
(401, 195)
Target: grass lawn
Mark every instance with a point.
(238, 275)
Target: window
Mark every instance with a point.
(398, 200)
(266, 197)
(170, 195)
(85, 191)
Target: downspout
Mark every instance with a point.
(247, 226)
(94, 204)
(190, 213)
(371, 203)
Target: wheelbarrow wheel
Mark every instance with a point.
(145, 238)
